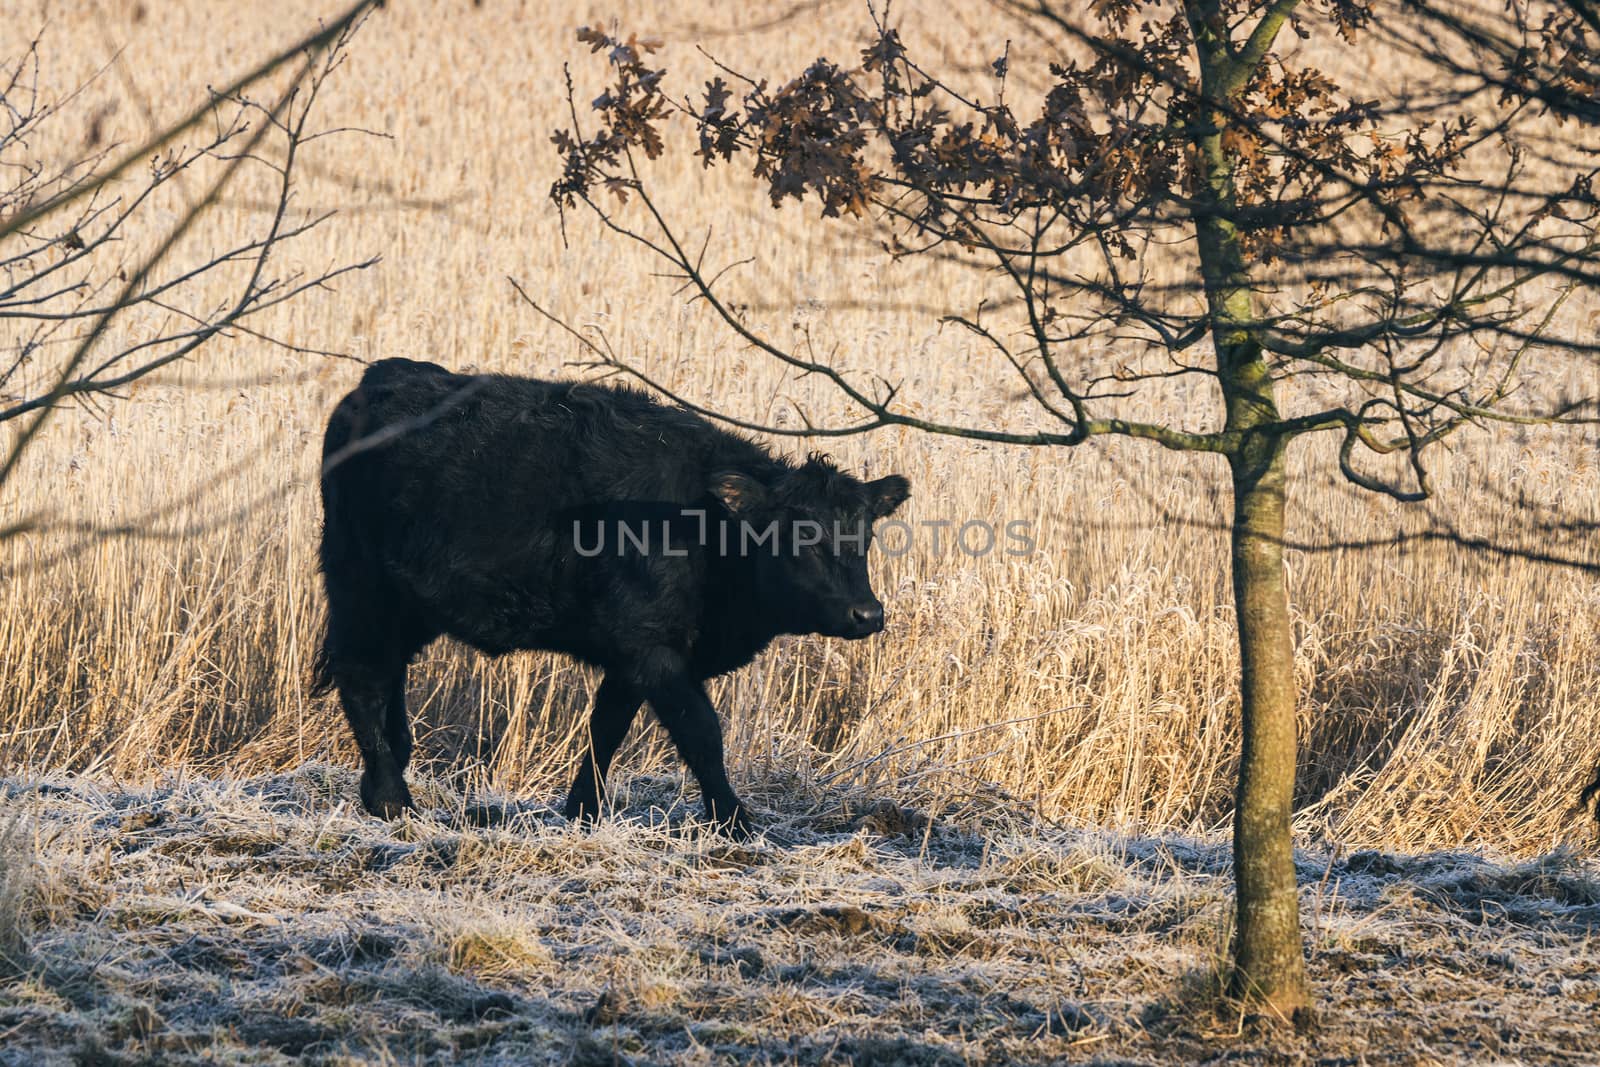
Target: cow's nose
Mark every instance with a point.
(867, 618)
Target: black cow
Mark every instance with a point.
(512, 513)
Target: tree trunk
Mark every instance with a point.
(1268, 955)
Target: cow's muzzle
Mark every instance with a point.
(865, 619)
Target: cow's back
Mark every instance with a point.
(454, 493)
(536, 446)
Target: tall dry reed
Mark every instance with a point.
(1449, 697)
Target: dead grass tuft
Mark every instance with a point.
(17, 875)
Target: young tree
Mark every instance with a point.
(83, 241)
(1403, 259)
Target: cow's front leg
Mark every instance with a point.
(615, 705)
(681, 704)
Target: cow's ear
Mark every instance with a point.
(738, 492)
(887, 494)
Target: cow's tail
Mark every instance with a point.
(1591, 794)
(332, 553)
(322, 671)
(322, 666)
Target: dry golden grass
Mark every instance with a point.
(1449, 699)
(17, 868)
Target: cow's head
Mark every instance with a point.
(807, 531)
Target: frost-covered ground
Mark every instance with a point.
(259, 921)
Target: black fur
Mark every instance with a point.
(449, 508)
(1591, 794)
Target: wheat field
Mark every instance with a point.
(1450, 699)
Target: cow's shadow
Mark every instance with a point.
(665, 803)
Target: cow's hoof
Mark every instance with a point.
(732, 821)
(385, 800)
(582, 809)
(390, 810)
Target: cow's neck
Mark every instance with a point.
(736, 621)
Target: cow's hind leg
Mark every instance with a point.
(365, 661)
(396, 724)
(365, 691)
(615, 705)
